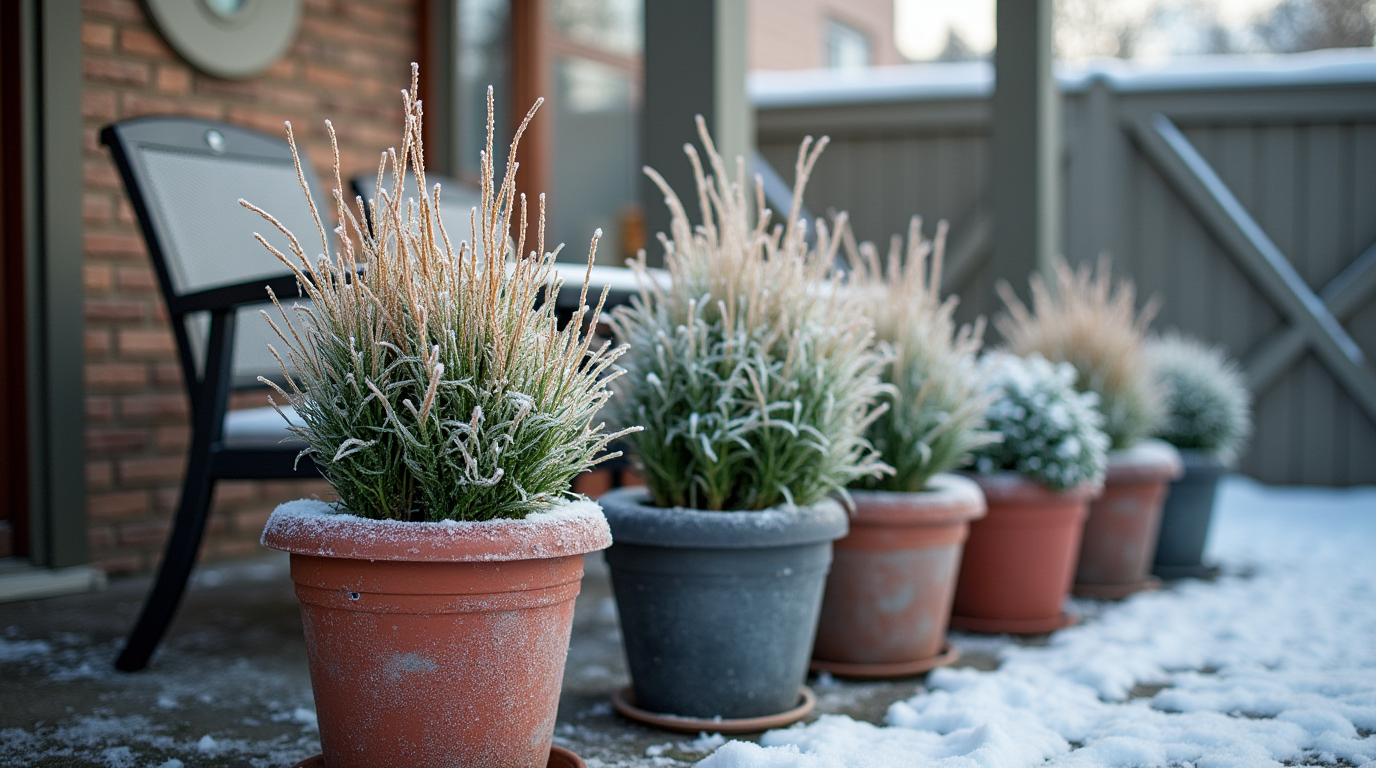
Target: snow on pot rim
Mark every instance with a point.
(1008, 486)
(947, 499)
(318, 528)
(1145, 461)
(637, 521)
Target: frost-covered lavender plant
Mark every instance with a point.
(1208, 405)
(435, 383)
(753, 373)
(1051, 432)
(936, 406)
(1092, 324)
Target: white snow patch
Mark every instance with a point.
(173, 763)
(207, 744)
(19, 650)
(1272, 664)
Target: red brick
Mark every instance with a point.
(141, 105)
(100, 408)
(100, 539)
(165, 500)
(251, 521)
(174, 78)
(96, 342)
(125, 213)
(140, 343)
(97, 278)
(167, 374)
(137, 279)
(283, 69)
(330, 77)
(115, 309)
(150, 533)
(115, 440)
(98, 105)
(122, 10)
(97, 37)
(100, 475)
(215, 88)
(116, 71)
(151, 407)
(227, 550)
(113, 245)
(117, 505)
(96, 209)
(151, 470)
(235, 493)
(116, 375)
(119, 565)
(170, 439)
(100, 174)
(142, 42)
(90, 139)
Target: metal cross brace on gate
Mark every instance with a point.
(1313, 318)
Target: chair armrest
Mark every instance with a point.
(228, 297)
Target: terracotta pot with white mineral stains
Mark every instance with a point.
(1119, 541)
(436, 644)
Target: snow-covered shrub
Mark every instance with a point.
(1095, 327)
(936, 406)
(435, 384)
(753, 374)
(1051, 433)
(1208, 405)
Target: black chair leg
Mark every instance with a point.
(177, 562)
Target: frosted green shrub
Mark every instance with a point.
(1051, 433)
(753, 374)
(436, 384)
(936, 406)
(1208, 405)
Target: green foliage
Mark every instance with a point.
(1208, 405)
(936, 406)
(1092, 324)
(753, 374)
(1051, 432)
(430, 384)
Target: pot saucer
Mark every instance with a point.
(1116, 591)
(558, 758)
(1174, 572)
(860, 671)
(624, 701)
(1014, 626)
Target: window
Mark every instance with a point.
(847, 47)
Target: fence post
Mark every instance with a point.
(1026, 143)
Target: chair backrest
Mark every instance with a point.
(185, 178)
(457, 199)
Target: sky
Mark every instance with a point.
(921, 25)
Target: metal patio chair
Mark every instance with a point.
(184, 178)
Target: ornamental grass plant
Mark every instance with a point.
(435, 383)
(1051, 433)
(936, 407)
(753, 374)
(1208, 405)
(1093, 324)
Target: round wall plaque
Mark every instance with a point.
(232, 39)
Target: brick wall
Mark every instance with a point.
(348, 63)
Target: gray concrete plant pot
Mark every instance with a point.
(718, 609)
(1185, 518)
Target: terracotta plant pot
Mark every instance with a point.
(1020, 559)
(888, 597)
(1185, 517)
(436, 644)
(718, 609)
(1120, 533)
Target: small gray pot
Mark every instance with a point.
(718, 609)
(1185, 517)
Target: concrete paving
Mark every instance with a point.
(229, 686)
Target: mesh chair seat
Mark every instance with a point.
(262, 428)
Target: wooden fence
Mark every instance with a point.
(1241, 191)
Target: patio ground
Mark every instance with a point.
(1280, 655)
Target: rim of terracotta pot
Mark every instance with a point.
(1009, 487)
(640, 522)
(312, 527)
(948, 499)
(1145, 462)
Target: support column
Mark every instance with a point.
(1026, 142)
(695, 64)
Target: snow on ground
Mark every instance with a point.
(1274, 663)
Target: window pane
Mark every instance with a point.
(484, 59)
